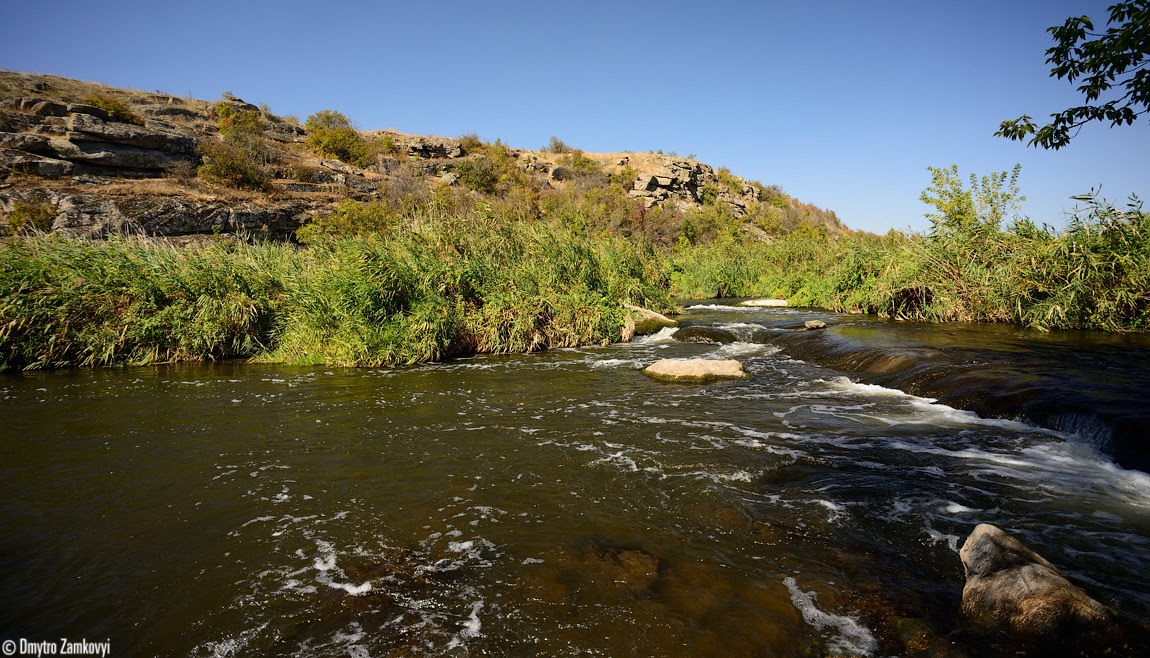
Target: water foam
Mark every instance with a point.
(850, 637)
(733, 350)
(664, 335)
(470, 629)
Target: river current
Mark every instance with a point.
(561, 503)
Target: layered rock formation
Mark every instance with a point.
(62, 152)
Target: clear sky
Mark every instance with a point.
(843, 104)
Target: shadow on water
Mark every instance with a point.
(562, 503)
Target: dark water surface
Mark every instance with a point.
(562, 503)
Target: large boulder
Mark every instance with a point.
(98, 215)
(704, 334)
(695, 370)
(107, 154)
(91, 128)
(1011, 588)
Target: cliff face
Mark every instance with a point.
(91, 171)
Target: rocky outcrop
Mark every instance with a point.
(154, 135)
(99, 215)
(18, 161)
(1012, 588)
(50, 140)
(424, 146)
(687, 183)
(53, 135)
(695, 370)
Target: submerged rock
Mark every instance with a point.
(1009, 587)
(695, 370)
(698, 334)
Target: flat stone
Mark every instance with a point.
(28, 143)
(49, 109)
(27, 163)
(814, 324)
(130, 135)
(168, 111)
(695, 370)
(90, 110)
(764, 302)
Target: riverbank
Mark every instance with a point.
(437, 282)
(450, 286)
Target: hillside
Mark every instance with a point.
(87, 160)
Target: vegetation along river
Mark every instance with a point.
(562, 503)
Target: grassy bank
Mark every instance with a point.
(456, 274)
(1095, 274)
(435, 287)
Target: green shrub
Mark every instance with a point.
(556, 145)
(624, 178)
(67, 302)
(387, 146)
(331, 135)
(733, 182)
(470, 143)
(580, 163)
(350, 218)
(479, 174)
(230, 165)
(244, 129)
(117, 110)
(35, 217)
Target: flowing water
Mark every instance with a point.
(562, 503)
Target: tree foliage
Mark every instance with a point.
(1110, 64)
(982, 206)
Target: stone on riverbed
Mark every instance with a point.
(647, 321)
(1011, 588)
(764, 302)
(695, 370)
(701, 334)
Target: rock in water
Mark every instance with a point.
(647, 321)
(695, 370)
(764, 303)
(811, 325)
(699, 334)
(1010, 587)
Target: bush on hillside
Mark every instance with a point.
(470, 143)
(331, 135)
(117, 110)
(230, 165)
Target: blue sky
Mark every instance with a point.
(843, 104)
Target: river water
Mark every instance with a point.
(563, 504)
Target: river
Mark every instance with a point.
(562, 504)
